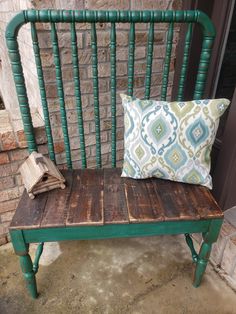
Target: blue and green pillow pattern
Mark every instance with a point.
(170, 141)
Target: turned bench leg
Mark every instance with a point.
(208, 239)
(22, 249)
(29, 275)
(201, 265)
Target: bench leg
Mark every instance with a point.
(22, 250)
(208, 239)
(27, 269)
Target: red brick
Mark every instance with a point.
(55, 119)
(120, 134)
(74, 143)
(105, 98)
(71, 116)
(104, 70)
(9, 194)
(105, 124)
(19, 154)
(8, 140)
(141, 38)
(43, 149)
(90, 139)
(159, 51)
(59, 147)
(85, 56)
(8, 205)
(64, 40)
(7, 216)
(107, 4)
(4, 159)
(176, 4)
(22, 143)
(6, 183)
(57, 133)
(106, 148)
(6, 170)
(103, 39)
(40, 135)
(149, 5)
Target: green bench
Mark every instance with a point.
(98, 203)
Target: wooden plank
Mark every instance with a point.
(206, 205)
(29, 212)
(90, 176)
(182, 195)
(186, 201)
(115, 207)
(56, 208)
(86, 202)
(142, 203)
(163, 189)
(175, 198)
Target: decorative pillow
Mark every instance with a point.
(170, 140)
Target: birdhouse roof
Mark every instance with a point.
(35, 167)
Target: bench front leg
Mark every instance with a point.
(203, 257)
(22, 249)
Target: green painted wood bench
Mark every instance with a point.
(98, 203)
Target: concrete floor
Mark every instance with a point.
(139, 275)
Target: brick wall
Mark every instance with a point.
(10, 158)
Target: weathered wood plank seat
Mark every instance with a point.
(98, 203)
(102, 197)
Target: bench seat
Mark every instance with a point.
(101, 196)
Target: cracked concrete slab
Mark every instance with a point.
(139, 275)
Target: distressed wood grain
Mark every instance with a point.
(86, 201)
(115, 207)
(55, 212)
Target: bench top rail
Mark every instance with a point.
(92, 17)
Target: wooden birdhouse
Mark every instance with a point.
(40, 174)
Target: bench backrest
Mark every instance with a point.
(92, 17)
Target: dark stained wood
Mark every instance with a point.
(101, 196)
(163, 189)
(86, 201)
(186, 209)
(115, 207)
(55, 212)
(141, 201)
(29, 212)
(89, 177)
(175, 199)
(205, 204)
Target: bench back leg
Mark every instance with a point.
(22, 249)
(208, 239)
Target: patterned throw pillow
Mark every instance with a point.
(170, 140)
